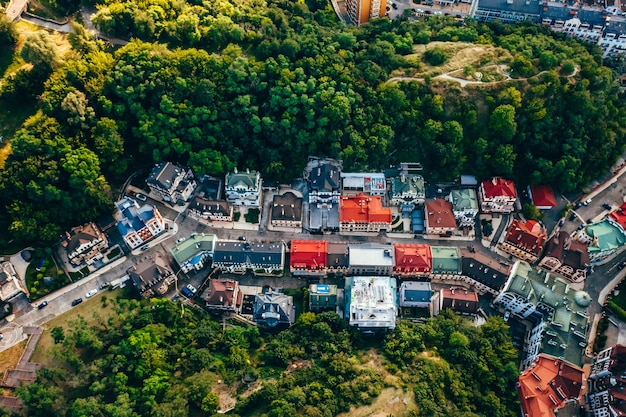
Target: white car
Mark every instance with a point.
(179, 240)
(91, 293)
(438, 13)
(192, 288)
(141, 197)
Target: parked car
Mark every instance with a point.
(186, 292)
(179, 240)
(42, 305)
(438, 13)
(141, 197)
(580, 227)
(77, 302)
(144, 247)
(395, 6)
(104, 285)
(577, 205)
(606, 206)
(561, 223)
(192, 288)
(572, 217)
(242, 238)
(91, 293)
(587, 202)
(621, 265)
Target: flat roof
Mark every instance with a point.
(193, 245)
(371, 302)
(371, 254)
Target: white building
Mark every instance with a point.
(243, 188)
(464, 206)
(371, 303)
(138, 225)
(354, 183)
(370, 259)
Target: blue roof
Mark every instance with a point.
(196, 259)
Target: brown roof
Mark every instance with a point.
(439, 214)
(221, 292)
(78, 235)
(337, 255)
(149, 273)
(569, 252)
(529, 235)
(459, 299)
(287, 207)
(203, 205)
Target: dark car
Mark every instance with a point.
(561, 223)
(577, 205)
(606, 206)
(42, 305)
(186, 292)
(77, 302)
(621, 265)
(395, 6)
(572, 217)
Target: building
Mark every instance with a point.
(446, 262)
(460, 300)
(213, 210)
(10, 283)
(152, 275)
(236, 257)
(195, 252)
(286, 210)
(497, 195)
(274, 310)
(362, 213)
(323, 179)
(362, 11)
(370, 303)
(603, 239)
(172, 182)
(605, 386)
(524, 240)
(370, 259)
(412, 260)
(440, 218)
(566, 257)
(417, 221)
(308, 257)
(563, 321)
(542, 196)
(322, 297)
(415, 299)
(550, 387)
(84, 244)
(337, 258)
(354, 183)
(464, 206)
(407, 192)
(483, 272)
(619, 216)
(138, 224)
(222, 296)
(243, 188)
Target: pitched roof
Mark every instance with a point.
(149, 274)
(464, 199)
(245, 253)
(247, 179)
(308, 254)
(446, 259)
(204, 205)
(287, 206)
(619, 216)
(569, 252)
(362, 208)
(547, 385)
(79, 235)
(542, 196)
(273, 309)
(528, 235)
(134, 217)
(195, 244)
(459, 299)
(221, 292)
(165, 174)
(412, 258)
(497, 187)
(325, 176)
(606, 235)
(439, 214)
(484, 269)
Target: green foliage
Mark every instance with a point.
(435, 56)
(8, 34)
(617, 310)
(531, 212)
(57, 334)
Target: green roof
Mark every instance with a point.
(464, 199)
(192, 246)
(408, 183)
(246, 178)
(565, 311)
(446, 260)
(607, 236)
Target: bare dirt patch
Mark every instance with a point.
(227, 396)
(391, 402)
(468, 58)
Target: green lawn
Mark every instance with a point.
(620, 299)
(34, 279)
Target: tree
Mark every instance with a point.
(8, 34)
(531, 212)
(40, 50)
(57, 333)
(210, 403)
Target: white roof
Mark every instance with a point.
(368, 254)
(372, 302)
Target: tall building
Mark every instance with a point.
(361, 11)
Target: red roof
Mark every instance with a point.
(542, 196)
(363, 208)
(439, 214)
(221, 292)
(497, 187)
(412, 258)
(547, 385)
(529, 235)
(308, 254)
(619, 216)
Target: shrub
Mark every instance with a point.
(435, 56)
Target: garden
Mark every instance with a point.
(42, 275)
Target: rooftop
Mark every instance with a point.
(363, 209)
(499, 187)
(287, 207)
(619, 216)
(165, 174)
(371, 302)
(484, 269)
(195, 244)
(606, 235)
(412, 258)
(464, 199)
(370, 182)
(569, 252)
(308, 254)
(460, 300)
(446, 259)
(528, 235)
(246, 179)
(80, 235)
(337, 255)
(222, 292)
(415, 294)
(135, 217)
(547, 385)
(408, 184)
(273, 309)
(373, 254)
(564, 310)
(245, 253)
(324, 176)
(149, 273)
(439, 214)
(542, 196)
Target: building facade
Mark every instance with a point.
(363, 213)
(84, 244)
(371, 259)
(308, 257)
(152, 276)
(412, 260)
(237, 257)
(464, 206)
(195, 252)
(524, 240)
(138, 225)
(362, 11)
(286, 210)
(497, 195)
(566, 257)
(243, 188)
(440, 218)
(172, 182)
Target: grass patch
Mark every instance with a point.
(91, 310)
(10, 357)
(113, 253)
(236, 216)
(43, 8)
(253, 215)
(620, 298)
(35, 279)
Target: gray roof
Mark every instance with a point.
(149, 273)
(514, 6)
(273, 309)
(337, 255)
(324, 177)
(245, 253)
(287, 206)
(415, 293)
(484, 269)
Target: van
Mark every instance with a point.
(186, 292)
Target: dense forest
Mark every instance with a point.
(264, 84)
(149, 360)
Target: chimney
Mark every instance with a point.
(494, 180)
